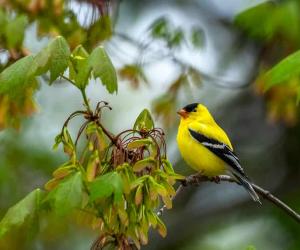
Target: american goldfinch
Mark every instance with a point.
(206, 147)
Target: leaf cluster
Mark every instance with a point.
(19, 81)
(163, 29)
(57, 18)
(12, 30)
(116, 181)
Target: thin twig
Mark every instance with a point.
(107, 133)
(68, 79)
(82, 90)
(196, 179)
(86, 101)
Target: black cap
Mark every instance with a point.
(191, 107)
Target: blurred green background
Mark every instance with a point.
(169, 54)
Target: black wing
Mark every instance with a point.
(221, 150)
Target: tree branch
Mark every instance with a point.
(193, 180)
(107, 133)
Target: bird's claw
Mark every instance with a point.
(216, 179)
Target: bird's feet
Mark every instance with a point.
(194, 179)
(216, 179)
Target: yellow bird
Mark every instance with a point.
(206, 147)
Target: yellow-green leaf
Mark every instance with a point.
(139, 195)
(24, 213)
(167, 166)
(161, 228)
(152, 218)
(92, 166)
(63, 171)
(147, 162)
(287, 68)
(144, 121)
(51, 184)
(15, 30)
(168, 202)
(67, 195)
(123, 217)
(139, 143)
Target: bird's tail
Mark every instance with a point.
(246, 183)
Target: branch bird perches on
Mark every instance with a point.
(196, 179)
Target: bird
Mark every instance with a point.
(206, 148)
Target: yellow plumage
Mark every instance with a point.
(206, 147)
(195, 154)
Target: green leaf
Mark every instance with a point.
(15, 30)
(25, 212)
(17, 75)
(147, 162)
(160, 189)
(144, 121)
(152, 218)
(167, 201)
(284, 70)
(60, 52)
(167, 166)
(100, 30)
(67, 195)
(104, 69)
(57, 141)
(152, 191)
(139, 181)
(176, 38)
(160, 28)
(107, 185)
(55, 58)
(139, 143)
(68, 145)
(258, 21)
(267, 21)
(79, 69)
(197, 37)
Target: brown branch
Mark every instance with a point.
(196, 179)
(107, 133)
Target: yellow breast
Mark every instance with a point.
(197, 156)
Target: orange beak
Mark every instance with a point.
(183, 113)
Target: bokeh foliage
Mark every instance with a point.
(275, 27)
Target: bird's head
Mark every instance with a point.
(195, 112)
